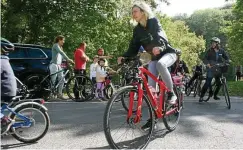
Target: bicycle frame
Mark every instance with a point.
(158, 108)
(26, 123)
(56, 86)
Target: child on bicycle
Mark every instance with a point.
(8, 81)
(100, 77)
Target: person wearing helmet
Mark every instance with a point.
(101, 73)
(179, 66)
(214, 55)
(149, 33)
(8, 81)
(101, 54)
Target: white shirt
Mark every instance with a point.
(93, 70)
(100, 74)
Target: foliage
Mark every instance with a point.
(235, 88)
(235, 34)
(99, 23)
(180, 37)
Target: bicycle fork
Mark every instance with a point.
(139, 105)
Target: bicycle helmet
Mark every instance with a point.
(6, 46)
(215, 39)
(101, 59)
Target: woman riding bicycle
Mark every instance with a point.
(213, 56)
(149, 34)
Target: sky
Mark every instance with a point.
(188, 6)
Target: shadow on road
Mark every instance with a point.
(161, 133)
(9, 146)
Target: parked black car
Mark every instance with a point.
(29, 59)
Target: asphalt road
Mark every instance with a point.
(80, 126)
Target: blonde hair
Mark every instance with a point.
(145, 8)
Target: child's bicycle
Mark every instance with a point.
(22, 119)
(109, 88)
(143, 111)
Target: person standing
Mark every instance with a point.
(93, 69)
(80, 59)
(55, 64)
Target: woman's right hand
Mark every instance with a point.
(119, 59)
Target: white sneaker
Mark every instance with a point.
(171, 98)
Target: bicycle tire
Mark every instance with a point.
(195, 88)
(226, 95)
(188, 90)
(106, 122)
(178, 105)
(86, 98)
(47, 120)
(40, 88)
(108, 91)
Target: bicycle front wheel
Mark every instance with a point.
(80, 89)
(122, 133)
(36, 130)
(172, 112)
(108, 91)
(226, 95)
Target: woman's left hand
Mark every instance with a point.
(156, 51)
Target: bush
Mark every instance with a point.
(235, 88)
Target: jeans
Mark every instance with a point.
(80, 82)
(53, 69)
(209, 85)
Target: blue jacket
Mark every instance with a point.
(8, 81)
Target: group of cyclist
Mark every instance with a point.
(149, 34)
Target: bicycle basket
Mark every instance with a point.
(177, 80)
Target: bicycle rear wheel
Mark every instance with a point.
(80, 88)
(123, 133)
(34, 132)
(226, 95)
(38, 87)
(172, 112)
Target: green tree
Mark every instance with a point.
(235, 34)
(180, 37)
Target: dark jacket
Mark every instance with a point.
(198, 69)
(8, 81)
(149, 37)
(179, 67)
(211, 57)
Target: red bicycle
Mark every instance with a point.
(145, 107)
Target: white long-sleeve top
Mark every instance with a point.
(93, 70)
(100, 74)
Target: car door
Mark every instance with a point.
(38, 60)
(18, 60)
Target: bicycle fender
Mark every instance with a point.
(29, 103)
